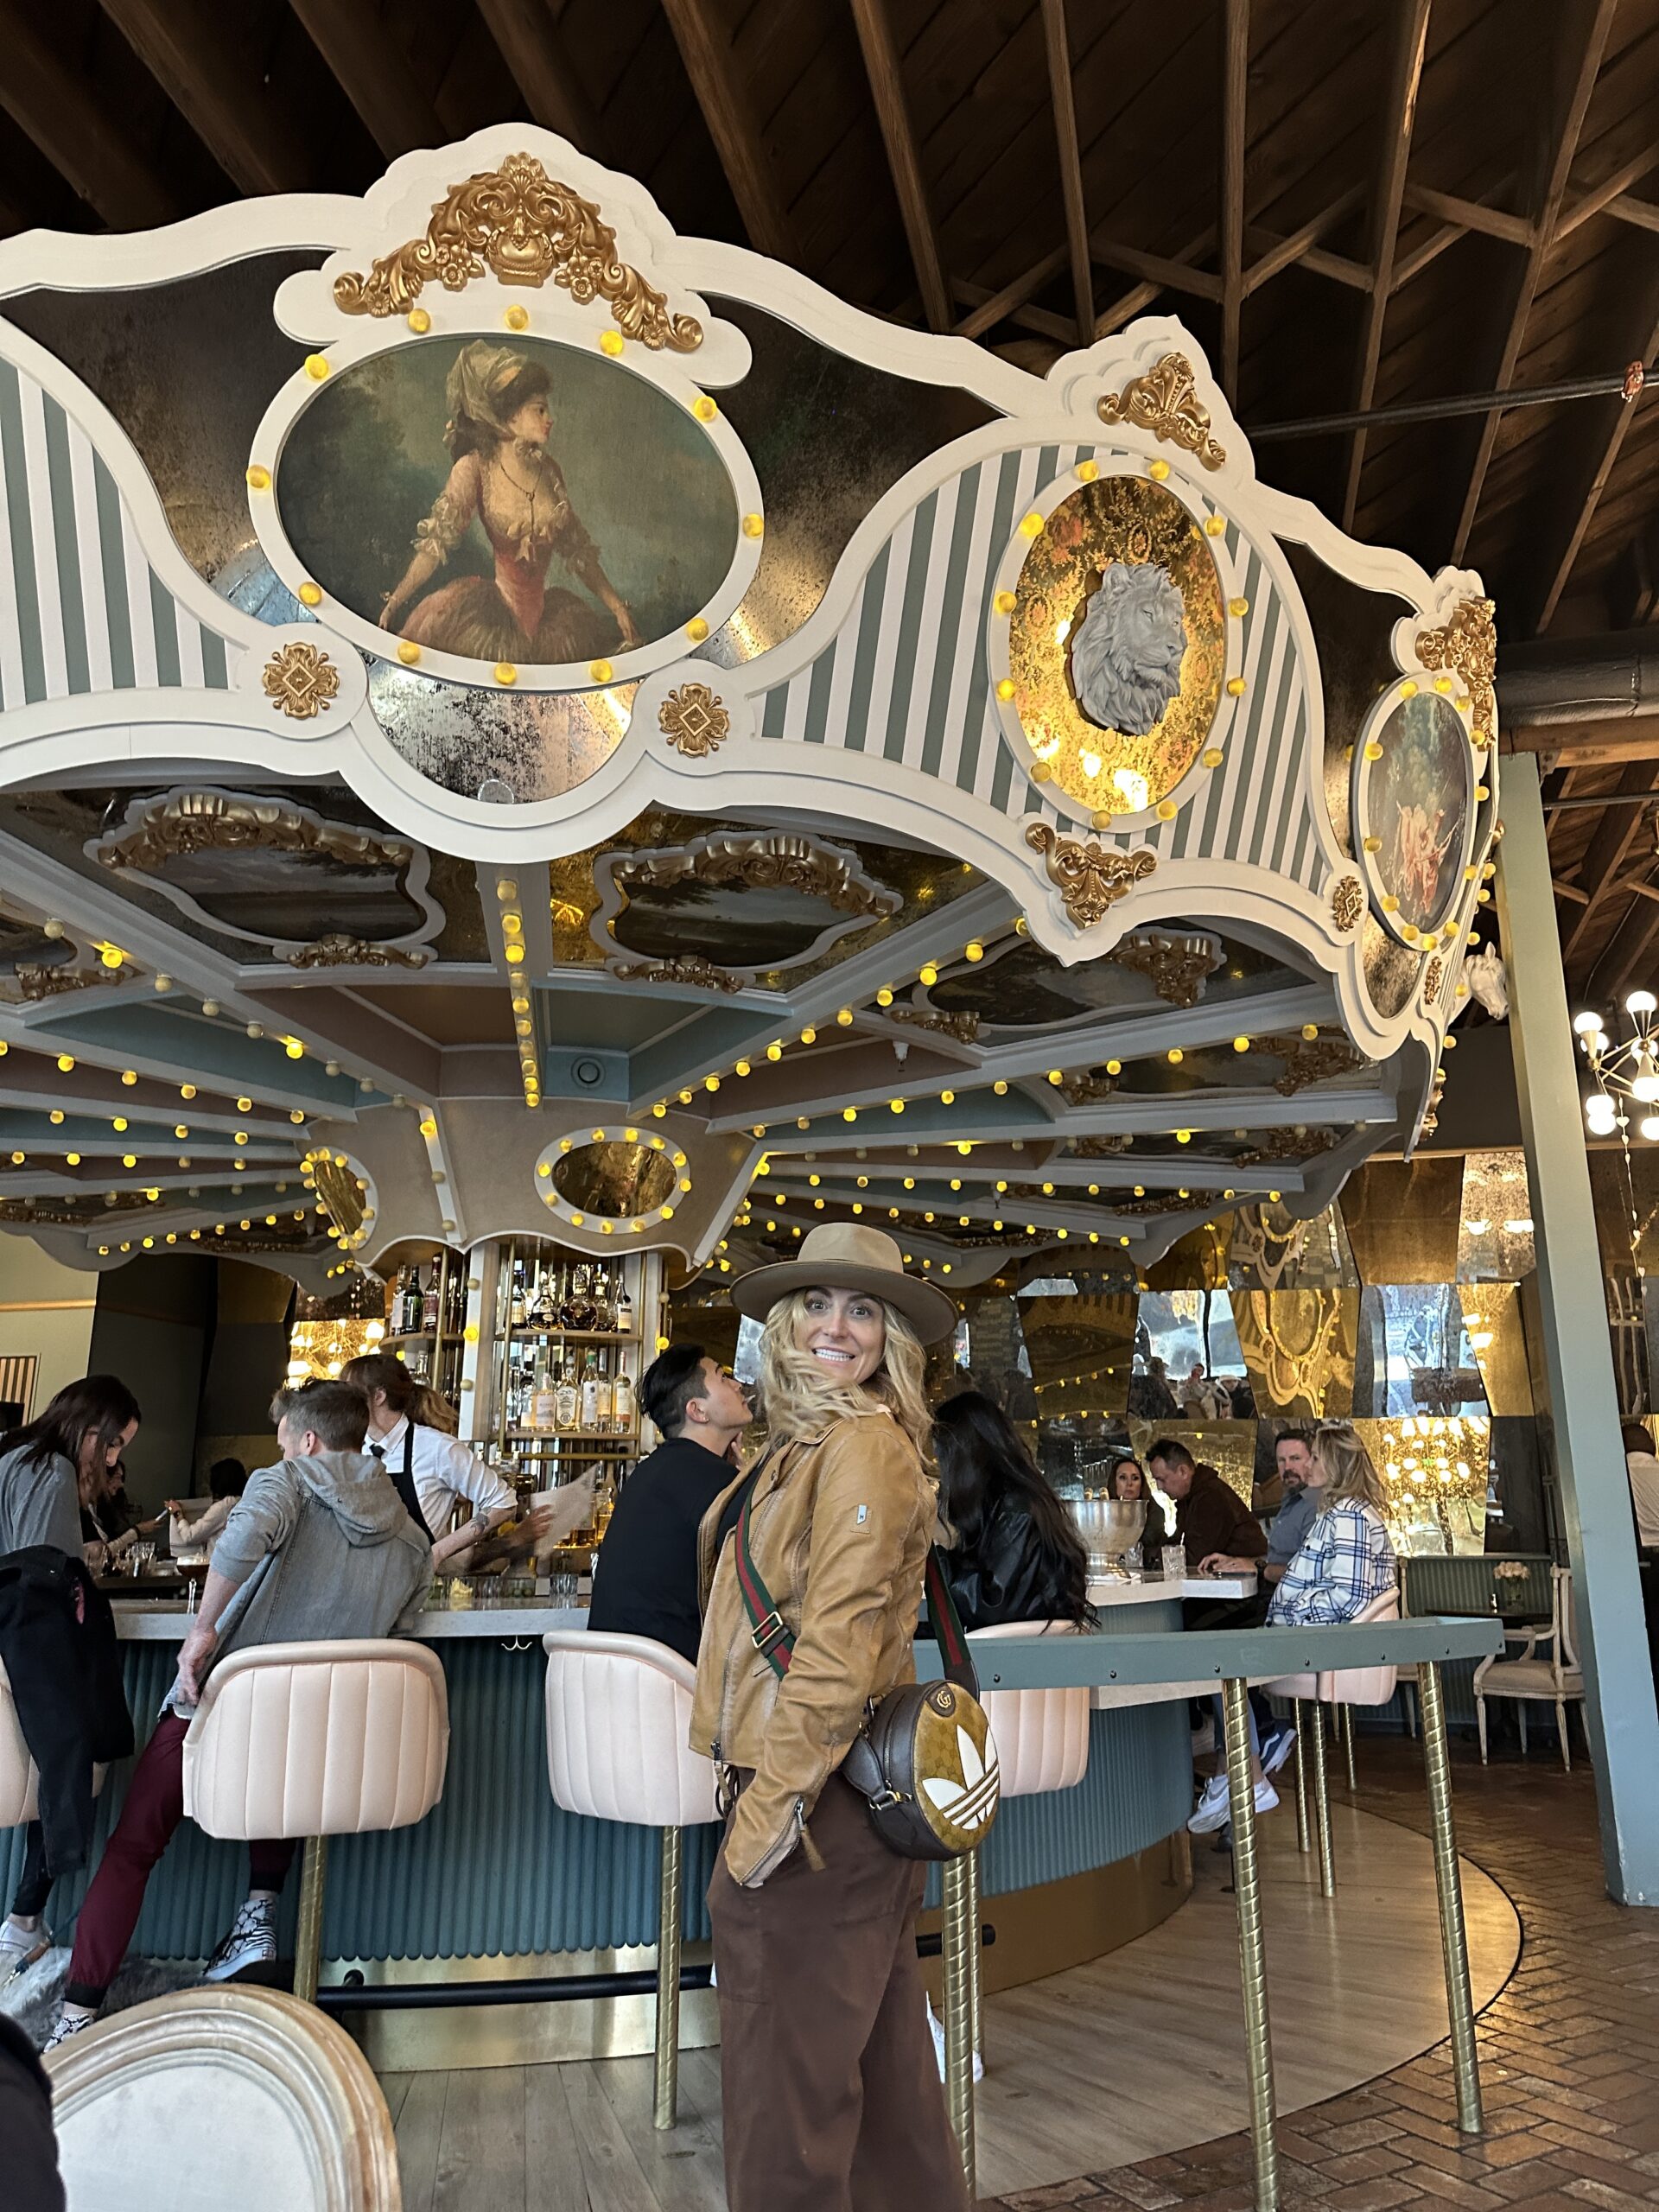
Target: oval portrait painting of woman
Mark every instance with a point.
(507, 500)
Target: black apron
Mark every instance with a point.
(403, 1480)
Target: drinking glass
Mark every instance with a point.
(1175, 1562)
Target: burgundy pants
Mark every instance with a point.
(154, 1807)
(831, 2099)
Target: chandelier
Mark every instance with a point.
(1625, 1071)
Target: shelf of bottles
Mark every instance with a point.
(426, 1318)
(571, 1334)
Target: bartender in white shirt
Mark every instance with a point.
(431, 1470)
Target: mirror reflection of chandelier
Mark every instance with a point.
(1625, 1071)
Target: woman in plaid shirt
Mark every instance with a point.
(1346, 1558)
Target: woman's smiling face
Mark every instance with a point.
(845, 1330)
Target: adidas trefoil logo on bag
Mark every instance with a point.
(971, 1802)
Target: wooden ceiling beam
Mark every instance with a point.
(1610, 188)
(1388, 197)
(1413, 264)
(533, 47)
(1236, 77)
(1607, 426)
(1587, 744)
(1140, 296)
(1472, 215)
(1608, 850)
(366, 62)
(189, 48)
(1315, 258)
(1058, 45)
(1627, 952)
(1594, 20)
(1297, 244)
(883, 69)
(1155, 269)
(706, 49)
(995, 306)
(979, 300)
(53, 105)
(1641, 213)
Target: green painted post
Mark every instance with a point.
(1619, 1709)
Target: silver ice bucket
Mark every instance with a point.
(1109, 1527)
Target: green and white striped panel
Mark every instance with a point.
(81, 610)
(905, 678)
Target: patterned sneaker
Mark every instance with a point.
(20, 1947)
(252, 1941)
(1276, 1746)
(1211, 1809)
(68, 2025)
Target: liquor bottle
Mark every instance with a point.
(624, 1314)
(543, 1312)
(567, 1400)
(595, 1396)
(412, 1302)
(516, 1307)
(622, 1402)
(430, 1302)
(456, 1317)
(567, 1296)
(543, 1415)
(601, 1298)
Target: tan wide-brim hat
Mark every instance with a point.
(845, 1256)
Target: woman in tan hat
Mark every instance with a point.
(831, 2093)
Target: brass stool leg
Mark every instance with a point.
(1252, 1955)
(671, 1906)
(1454, 1943)
(1348, 1745)
(307, 1947)
(1304, 1835)
(1322, 1808)
(958, 2015)
(975, 1957)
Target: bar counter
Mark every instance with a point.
(498, 1878)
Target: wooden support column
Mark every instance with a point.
(883, 69)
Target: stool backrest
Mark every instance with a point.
(222, 2096)
(1565, 1646)
(19, 1780)
(1041, 1736)
(1364, 1685)
(619, 1718)
(303, 1739)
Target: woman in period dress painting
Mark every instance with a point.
(504, 475)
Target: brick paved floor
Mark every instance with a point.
(1569, 2050)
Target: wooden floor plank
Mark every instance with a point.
(553, 2175)
(481, 2151)
(420, 2125)
(394, 2087)
(615, 2183)
(683, 2165)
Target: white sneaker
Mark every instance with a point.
(1267, 1797)
(1211, 1811)
(20, 1947)
(67, 2024)
(252, 1941)
(938, 2027)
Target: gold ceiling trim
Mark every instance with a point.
(685, 968)
(1347, 903)
(1466, 644)
(694, 722)
(1434, 976)
(1100, 1147)
(1312, 1059)
(1276, 1146)
(964, 1025)
(764, 862)
(38, 983)
(1090, 878)
(1165, 401)
(300, 679)
(1176, 967)
(523, 228)
(339, 950)
(1086, 1090)
(200, 821)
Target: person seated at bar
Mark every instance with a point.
(1346, 1559)
(43, 1467)
(645, 1578)
(192, 1526)
(1127, 1481)
(1288, 1529)
(411, 1429)
(318, 1547)
(109, 1525)
(1017, 1555)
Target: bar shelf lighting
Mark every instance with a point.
(1625, 1071)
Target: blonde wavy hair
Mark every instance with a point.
(797, 1398)
(1351, 1473)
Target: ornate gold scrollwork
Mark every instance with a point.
(1467, 644)
(1312, 1059)
(765, 860)
(524, 227)
(1087, 1089)
(1273, 1146)
(1434, 976)
(1090, 878)
(300, 679)
(1176, 966)
(1165, 401)
(694, 722)
(1099, 1147)
(38, 983)
(685, 968)
(340, 950)
(962, 1026)
(199, 822)
(1347, 902)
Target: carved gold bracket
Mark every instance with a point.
(1467, 644)
(36, 982)
(1347, 903)
(1165, 401)
(524, 227)
(761, 862)
(685, 968)
(300, 679)
(340, 950)
(1090, 878)
(1176, 967)
(693, 721)
(200, 822)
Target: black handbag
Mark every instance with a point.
(924, 1762)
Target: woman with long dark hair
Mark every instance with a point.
(1018, 1555)
(411, 1430)
(45, 1468)
(1128, 1480)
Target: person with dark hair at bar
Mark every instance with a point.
(318, 1547)
(645, 1579)
(1017, 1554)
(411, 1428)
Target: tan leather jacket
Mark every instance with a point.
(839, 1531)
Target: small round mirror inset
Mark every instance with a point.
(614, 1179)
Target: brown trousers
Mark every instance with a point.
(832, 2099)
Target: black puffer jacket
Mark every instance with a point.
(1009, 1573)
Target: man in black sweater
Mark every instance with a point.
(645, 1582)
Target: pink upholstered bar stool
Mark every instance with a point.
(1347, 1688)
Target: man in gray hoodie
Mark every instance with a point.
(317, 1547)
